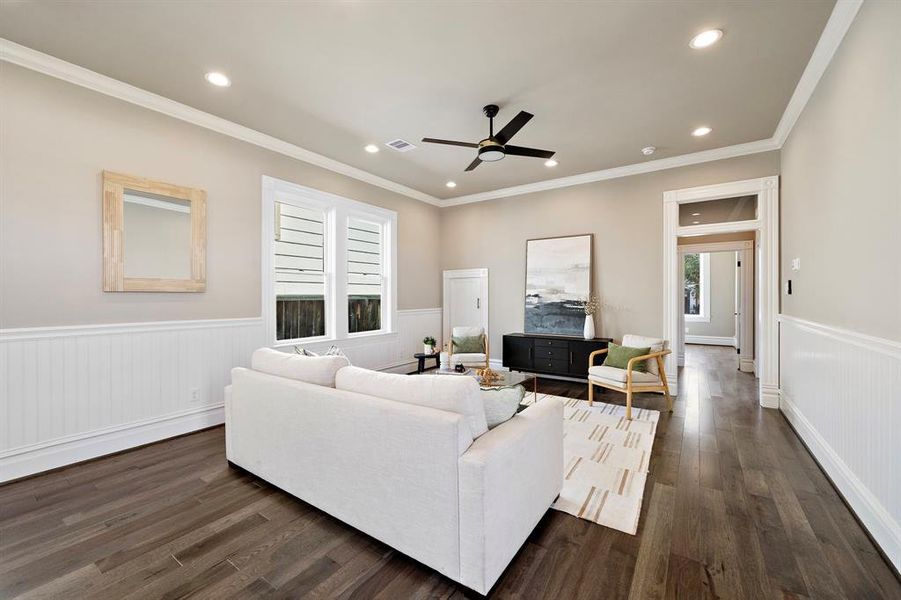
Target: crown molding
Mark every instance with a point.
(23, 56)
(624, 171)
(837, 26)
(833, 33)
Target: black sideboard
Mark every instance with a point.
(551, 354)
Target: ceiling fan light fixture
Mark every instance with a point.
(491, 151)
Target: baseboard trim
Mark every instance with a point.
(710, 340)
(52, 454)
(746, 365)
(884, 531)
(769, 396)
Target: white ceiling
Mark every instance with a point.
(604, 79)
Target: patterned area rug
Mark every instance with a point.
(606, 460)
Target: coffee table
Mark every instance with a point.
(505, 379)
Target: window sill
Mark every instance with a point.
(352, 340)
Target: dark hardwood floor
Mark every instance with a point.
(734, 507)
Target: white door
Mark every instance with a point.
(738, 296)
(465, 299)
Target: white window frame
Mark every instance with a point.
(704, 281)
(338, 210)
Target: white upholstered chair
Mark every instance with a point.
(467, 359)
(629, 380)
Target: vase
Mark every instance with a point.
(588, 330)
(426, 349)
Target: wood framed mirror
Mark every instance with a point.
(154, 236)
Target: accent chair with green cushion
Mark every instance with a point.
(636, 365)
(469, 347)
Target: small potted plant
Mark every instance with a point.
(428, 345)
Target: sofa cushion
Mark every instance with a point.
(614, 374)
(501, 403)
(319, 370)
(640, 341)
(444, 392)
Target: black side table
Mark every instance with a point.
(421, 357)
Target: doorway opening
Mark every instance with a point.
(748, 207)
(718, 295)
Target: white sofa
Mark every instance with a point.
(412, 476)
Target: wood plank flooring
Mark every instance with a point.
(734, 507)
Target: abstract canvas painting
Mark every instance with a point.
(558, 281)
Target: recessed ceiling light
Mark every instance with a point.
(706, 38)
(451, 184)
(695, 222)
(701, 131)
(649, 150)
(218, 79)
(696, 214)
(550, 163)
(372, 148)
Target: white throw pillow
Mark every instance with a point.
(640, 341)
(319, 370)
(459, 394)
(501, 403)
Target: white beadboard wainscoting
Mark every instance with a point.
(841, 390)
(73, 393)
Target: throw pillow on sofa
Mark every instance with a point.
(619, 357)
(501, 403)
(318, 370)
(444, 392)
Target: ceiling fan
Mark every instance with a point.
(495, 146)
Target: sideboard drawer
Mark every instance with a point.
(541, 343)
(551, 366)
(543, 353)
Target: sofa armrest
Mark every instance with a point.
(508, 479)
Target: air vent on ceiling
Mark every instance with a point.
(400, 145)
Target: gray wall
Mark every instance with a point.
(626, 217)
(56, 138)
(841, 185)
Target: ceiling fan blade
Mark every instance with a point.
(473, 164)
(533, 152)
(450, 142)
(510, 129)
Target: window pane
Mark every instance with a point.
(742, 208)
(692, 291)
(299, 272)
(364, 276)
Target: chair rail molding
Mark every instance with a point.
(839, 392)
(766, 282)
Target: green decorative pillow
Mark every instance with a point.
(619, 357)
(469, 345)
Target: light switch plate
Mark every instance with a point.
(796, 264)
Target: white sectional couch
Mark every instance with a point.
(407, 460)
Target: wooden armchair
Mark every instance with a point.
(468, 359)
(629, 380)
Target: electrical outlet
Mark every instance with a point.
(195, 395)
(796, 264)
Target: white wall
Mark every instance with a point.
(74, 393)
(841, 326)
